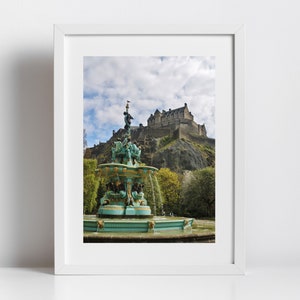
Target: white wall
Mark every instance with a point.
(272, 107)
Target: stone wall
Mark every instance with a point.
(179, 121)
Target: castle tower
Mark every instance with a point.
(154, 121)
(187, 114)
(157, 118)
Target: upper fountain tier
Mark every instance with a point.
(126, 155)
(125, 151)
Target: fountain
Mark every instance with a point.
(124, 208)
(124, 196)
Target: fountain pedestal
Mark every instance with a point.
(110, 211)
(124, 195)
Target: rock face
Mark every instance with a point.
(177, 154)
(183, 155)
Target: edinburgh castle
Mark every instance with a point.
(180, 118)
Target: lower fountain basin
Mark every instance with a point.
(137, 231)
(133, 225)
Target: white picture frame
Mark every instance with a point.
(72, 260)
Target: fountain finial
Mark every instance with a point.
(127, 105)
(127, 119)
(126, 151)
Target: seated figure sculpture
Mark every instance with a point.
(135, 152)
(118, 152)
(126, 152)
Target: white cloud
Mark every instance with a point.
(150, 83)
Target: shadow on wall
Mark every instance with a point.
(33, 194)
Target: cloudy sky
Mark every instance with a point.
(150, 83)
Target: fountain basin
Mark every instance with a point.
(128, 211)
(133, 225)
(136, 231)
(125, 171)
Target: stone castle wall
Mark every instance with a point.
(144, 132)
(179, 120)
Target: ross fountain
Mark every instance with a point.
(124, 196)
(124, 208)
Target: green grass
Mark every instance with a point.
(207, 151)
(166, 142)
(204, 225)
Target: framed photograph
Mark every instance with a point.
(149, 150)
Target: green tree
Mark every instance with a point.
(103, 180)
(90, 185)
(199, 194)
(170, 190)
(84, 140)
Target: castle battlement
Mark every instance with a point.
(180, 119)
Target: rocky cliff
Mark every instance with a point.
(181, 154)
(168, 151)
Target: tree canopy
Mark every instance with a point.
(199, 194)
(170, 190)
(91, 184)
